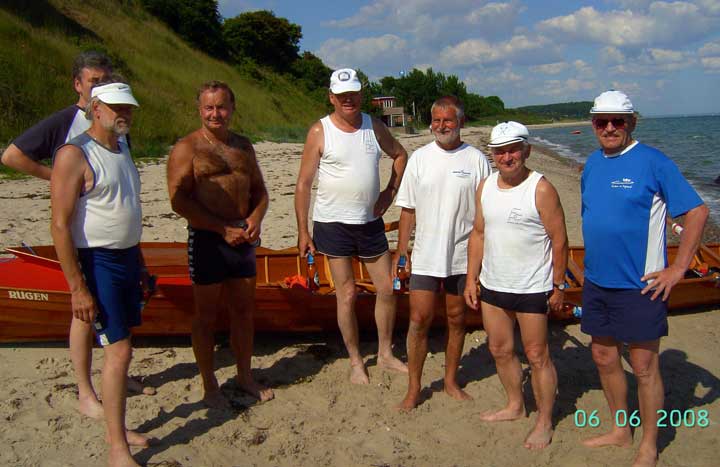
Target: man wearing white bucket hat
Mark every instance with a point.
(96, 227)
(519, 238)
(345, 148)
(628, 189)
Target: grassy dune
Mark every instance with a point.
(39, 40)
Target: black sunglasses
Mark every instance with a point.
(601, 123)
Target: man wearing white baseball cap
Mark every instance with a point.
(628, 189)
(345, 148)
(520, 240)
(96, 227)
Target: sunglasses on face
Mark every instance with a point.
(601, 123)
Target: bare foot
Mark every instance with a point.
(412, 399)
(133, 439)
(256, 390)
(358, 374)
(646, 458)
(215, 400)
(391, 363)
(505, 414)
(121, 458)
(456, 393)
(620, 437)
(136, 387)
(91, 407)
(539, 437)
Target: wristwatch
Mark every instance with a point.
(561, 287)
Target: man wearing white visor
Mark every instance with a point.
(96, 227)
(520, 240)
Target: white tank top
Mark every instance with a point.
(517, 254)
(109, 214)
(348, 180)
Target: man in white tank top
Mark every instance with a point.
(437, 198)
(520, 240)
(95, 183)
(345, 149)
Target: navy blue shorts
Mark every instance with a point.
(344, 240)
(113, 278)
(623, 314)
(518, 302)
(212, 260)
(454, 285)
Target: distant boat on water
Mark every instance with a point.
(575, 132)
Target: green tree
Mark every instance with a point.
(196, 21)
(263, 38)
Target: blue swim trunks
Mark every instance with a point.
(623, 314)
(113, 278)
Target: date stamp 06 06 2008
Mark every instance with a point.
(674, 418)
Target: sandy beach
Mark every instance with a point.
(318, 418)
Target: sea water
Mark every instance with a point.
(693, 143)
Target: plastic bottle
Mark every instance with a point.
(577, 312)
(401, 276)
(244, 225)
(313, 279)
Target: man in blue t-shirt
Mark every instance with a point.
(628, 189)
(24, 155)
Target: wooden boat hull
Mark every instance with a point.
(35, 302)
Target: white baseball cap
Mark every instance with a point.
(344, 80)
(508, 133)
(612, 102)
(115, 93)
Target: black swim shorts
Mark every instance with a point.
(518, 302)
(453, 285)
(212, 259)
(345, 240)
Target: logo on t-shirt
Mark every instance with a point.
(515, 216)
(461, 173)
(626, 183)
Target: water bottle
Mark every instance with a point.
(313, 279)
(577, 311)
(401, 276)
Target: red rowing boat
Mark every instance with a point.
(35, 301)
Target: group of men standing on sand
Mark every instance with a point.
(505, 230)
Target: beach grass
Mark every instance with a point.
(40, 42)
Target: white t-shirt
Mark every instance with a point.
(440, 185)
(348, 174)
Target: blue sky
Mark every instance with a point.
(664, 54)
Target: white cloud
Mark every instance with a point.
(519, 49)
(664, 23)
(550, 68)
(567, 87)
(611, 55)
(711, 63)
(583, 68)
(710, 49)
(361, 52)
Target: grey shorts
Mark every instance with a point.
(454, 285)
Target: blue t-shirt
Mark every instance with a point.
(625, 200)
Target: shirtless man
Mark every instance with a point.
(345, 147)
(214, 182)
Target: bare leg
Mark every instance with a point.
(385, 306)
(606, 354)
(342, 274)
(207, 300)
(422, 304)
(114, 381)
(81, 343)
(646, 366)
(241, 302)
(455, 309)
(499, 325)
(533, 327)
